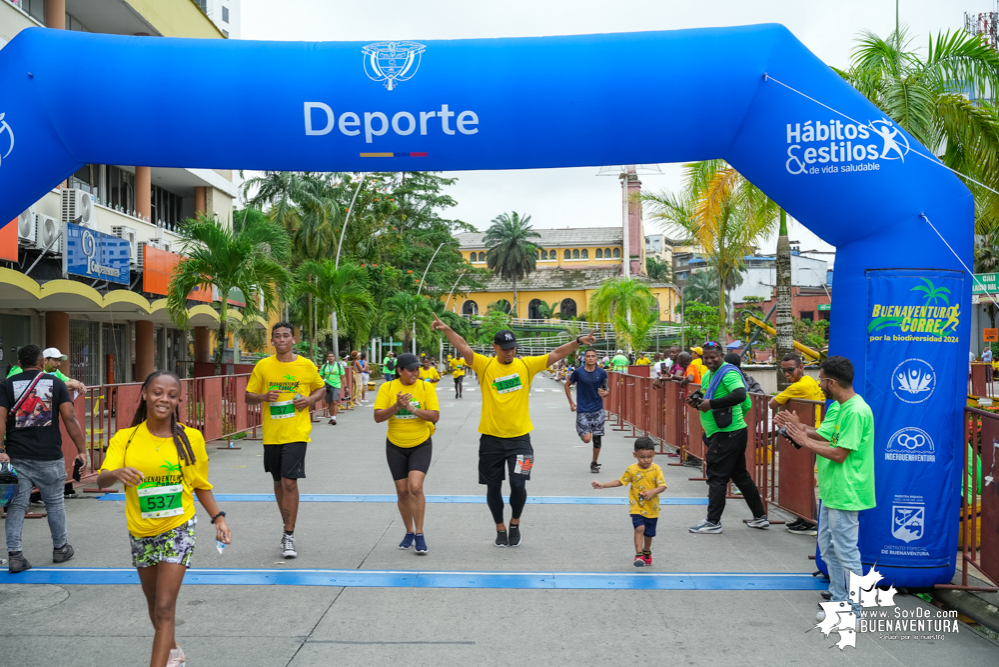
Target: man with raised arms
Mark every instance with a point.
(505, 424)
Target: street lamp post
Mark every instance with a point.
(336, 265)
(420, 288)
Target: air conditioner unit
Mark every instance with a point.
(26, 227)
(78, 207)
(165, 245)
(49, 229)
(127, 233)
(141, 251)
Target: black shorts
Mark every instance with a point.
(497, 454)
(285, 461)
(404, 460)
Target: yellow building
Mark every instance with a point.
(572, 264)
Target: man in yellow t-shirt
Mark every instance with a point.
(802, 387)
(696, 353)
(643, 360)
(429, 374)
(457, 365)
(505, 423)
(288, 386)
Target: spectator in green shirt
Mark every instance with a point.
(723, 409)
(844, 447)
(620, 362)
(332, 372)
(53, 359)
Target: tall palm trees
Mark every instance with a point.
(342, 290)
(726, 215)
(510, 253)
(249, 257)
(928, 95)
(628, 303)
(407, 315)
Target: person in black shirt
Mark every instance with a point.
(31, 405)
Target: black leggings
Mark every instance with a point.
(518, 497)
(457, 382)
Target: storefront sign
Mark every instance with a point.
(93, 254)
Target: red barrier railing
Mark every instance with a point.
(980, 379)
(784, 475)
(979, 526)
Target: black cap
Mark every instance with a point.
(505, 339)
(408, 361)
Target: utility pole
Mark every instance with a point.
(785, 322)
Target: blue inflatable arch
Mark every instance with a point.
(752, 95)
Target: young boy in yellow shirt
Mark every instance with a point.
(647, 482)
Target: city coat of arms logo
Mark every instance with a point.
(392, 62)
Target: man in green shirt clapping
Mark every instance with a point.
(844, 446)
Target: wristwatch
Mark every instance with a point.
(577, 340)
(217, 516)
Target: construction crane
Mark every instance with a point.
(813, 356)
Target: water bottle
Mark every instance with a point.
(220, 545)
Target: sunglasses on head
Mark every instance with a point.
(711, 344)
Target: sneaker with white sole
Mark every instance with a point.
(801, 527)
(706, 526)
(407, 541)
(421, 544)
(759, 522)
(288, 546)
(514, 535)
(176, 658)
(639, 561)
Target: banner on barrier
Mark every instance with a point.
(915, 362)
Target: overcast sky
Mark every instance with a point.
(577, 197)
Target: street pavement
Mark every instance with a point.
(614, 618)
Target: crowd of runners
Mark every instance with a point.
(163, 464)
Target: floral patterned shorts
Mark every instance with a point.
(173, 546)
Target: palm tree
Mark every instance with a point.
(249, 258)
(703, 287)
(723, 212)
(406, 315)
(625, 302)
(510, 253)
(500, 305)
(987, 259)
(548, 312)
(636, 333)
(659, 271)
(928, 95)
(342, 290)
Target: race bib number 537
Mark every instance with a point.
(508, 383)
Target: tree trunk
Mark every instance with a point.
(514, 313)
(785, 321)
(220, 352)
(722, 315)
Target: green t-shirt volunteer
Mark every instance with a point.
(332, 374)
(58, 373)
(620, 362)
(731, 381)
(848, 485)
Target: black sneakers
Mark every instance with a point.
(595, 467)
(501, 539)
(62, 554)
(16, 562)
(801, 527)
(514, 535)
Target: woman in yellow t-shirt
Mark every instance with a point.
(162, 464)
(410, 407)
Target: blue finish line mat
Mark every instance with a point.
(678, 581)
(391, 498)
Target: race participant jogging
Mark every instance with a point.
(332, 374)
(427, 373)
(458, 373)
(162, 464)
(505, 423)
(289, 385)
(591, 383)
(410, 407)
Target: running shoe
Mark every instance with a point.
(176, 658)
(706, 526)
(70, 494)
(62, 554)
(407, 542)
(801, 527)
(639, 561)
(594, 468)
(514, 535)
(288, 546)
(332, 421)
(647, 559)
(17, 562)
(421, 544)
(826, 595)
(759, 522)
(501, 539)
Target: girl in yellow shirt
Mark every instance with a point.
(162, 464)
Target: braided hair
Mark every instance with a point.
(179, 436)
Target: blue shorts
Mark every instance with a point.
(650, 524)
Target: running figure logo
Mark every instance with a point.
(392, 62)
(5, 128)
(894, 141)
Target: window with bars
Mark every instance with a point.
(115, 341)
(85, 363)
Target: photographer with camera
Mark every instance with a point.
(723, 407)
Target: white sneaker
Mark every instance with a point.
(759, 522)
(288, 546)
(176, 658)
(706, 526)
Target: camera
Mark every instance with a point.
(783, 432)
(695, 398)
